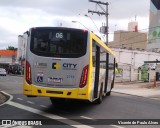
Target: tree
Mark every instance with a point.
(11, 48)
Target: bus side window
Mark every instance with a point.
(94, 61)
(93, 53)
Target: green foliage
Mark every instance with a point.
(119, 71)
(144, 73)
(11, 48)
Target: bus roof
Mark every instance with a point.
(100, 42)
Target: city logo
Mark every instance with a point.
(55, 66)
(69, 66)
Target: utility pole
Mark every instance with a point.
(105, 12)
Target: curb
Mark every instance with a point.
(141, 85)
(10, 97)
(130, 94)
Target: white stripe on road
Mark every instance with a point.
(117, 126)
(30, 102)
(20, 99)
(43, 106)
(24, 127)
(86, 117)
(48, 115)
(82, 126)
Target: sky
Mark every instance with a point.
(17, 16)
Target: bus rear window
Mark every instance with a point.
(63, 43)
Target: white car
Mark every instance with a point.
(3, 72)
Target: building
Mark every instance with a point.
(129, 61)
(22, 40)
(133, 26)
(7, 57)
(154, 25)
(21, 47)
(129, 40)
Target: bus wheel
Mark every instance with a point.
(108, 93)
(100, 98)
(57, 100)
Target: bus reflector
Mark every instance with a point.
(84, 77)
(84, 30)
(28, 73)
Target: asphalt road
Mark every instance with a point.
(117, 106)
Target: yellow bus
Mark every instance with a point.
(67, 63)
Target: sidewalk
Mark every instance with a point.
(3, 98)
(145, 89)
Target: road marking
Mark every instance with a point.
(48, 115)
(82, 126)
(20, 99)
(43, 106)
(86, 117)
(155, 98)
(23, 127)
(117, 126)
(30, 102)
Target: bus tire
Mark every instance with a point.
(108, 93)
(57, 100)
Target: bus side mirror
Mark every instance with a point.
(27, 32)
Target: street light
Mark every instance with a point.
(80, 24)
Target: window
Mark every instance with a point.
(60, 42)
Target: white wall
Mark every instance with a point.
(134, 59)
(139, 59)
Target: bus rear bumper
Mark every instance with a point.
(76, 93)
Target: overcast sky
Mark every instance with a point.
(17, 16)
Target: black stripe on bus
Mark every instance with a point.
(107, 70)
(96, 82)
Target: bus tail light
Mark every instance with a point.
(84, 76)
(28, 73)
